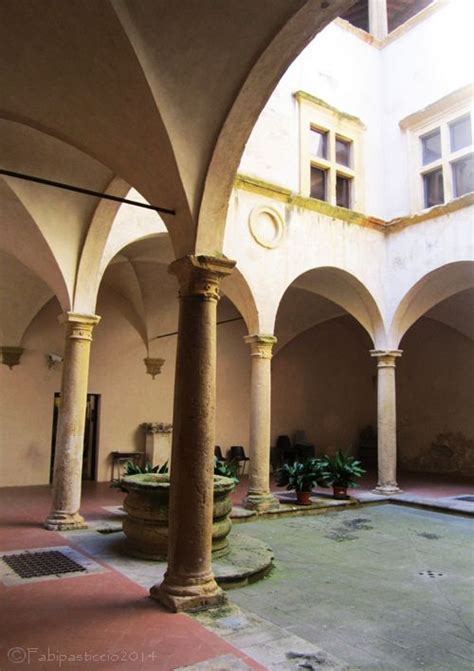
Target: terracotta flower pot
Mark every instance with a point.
(303, 498)
(339, 492)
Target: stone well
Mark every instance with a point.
(147, 508)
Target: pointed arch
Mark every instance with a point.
(22, 238)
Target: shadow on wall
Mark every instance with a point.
(435, 394)
(323, 383)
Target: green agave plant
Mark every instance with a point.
(342, 470)
(300, 476)
(227, 469)
(131, 468)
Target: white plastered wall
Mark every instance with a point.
(325, 70)
(424, 64)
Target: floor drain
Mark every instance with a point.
(431, 574)
(23, 566)
(35, 564)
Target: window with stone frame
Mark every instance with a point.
(442, 151)
(330, 153)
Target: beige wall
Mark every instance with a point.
(128, 395)
(26, 404)
(323, 383)
(435, 396)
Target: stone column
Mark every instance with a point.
(67, 479)
(386, 421)
(258, 495)
(189, 582)
(378, 21)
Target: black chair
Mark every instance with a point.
(237, 455)
(304, 449)
(218, 453)
(285, 450)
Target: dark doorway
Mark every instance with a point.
(89, 457)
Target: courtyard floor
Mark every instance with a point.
(382, 588)
(375, 588)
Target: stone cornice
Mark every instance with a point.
(309, 98)
(436, 211)
(439, 108)
(405, 27)
(282, 194)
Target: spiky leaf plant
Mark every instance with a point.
(342, 470)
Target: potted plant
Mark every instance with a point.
(131, 468)
(226, 468)
(300, 476)
(340, 471)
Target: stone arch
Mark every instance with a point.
(113, 227)
(126, 287)
(22, 295)
(279, 52)
(345, 291)
(237, 289)
(427, 292)
(22, 238)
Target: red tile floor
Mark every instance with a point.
(107, 614)
(79, 617)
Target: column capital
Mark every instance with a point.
(201, 275)
(386, 358)
(79, 326)
(261, 345)
(153, 365)
(11, 355)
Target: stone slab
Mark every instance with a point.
(223, 663)
(249, 558)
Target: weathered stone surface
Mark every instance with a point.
(248, 560)
(147, 523)
(67, 478)
(225, 663)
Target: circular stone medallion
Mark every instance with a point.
(266, 226)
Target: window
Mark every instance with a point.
(343, 191)
(431, 147)
(447, 161)
(318, 183)
(318, 143)
(329, 153)
(441, 150)
(463, 176)
(331, 172)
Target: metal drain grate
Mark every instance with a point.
(51, 563)
(465, 498)
(431, 574)
(36, 564)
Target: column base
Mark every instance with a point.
(59, 521)
(194, 597)
(388, 490)
(261, 502)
